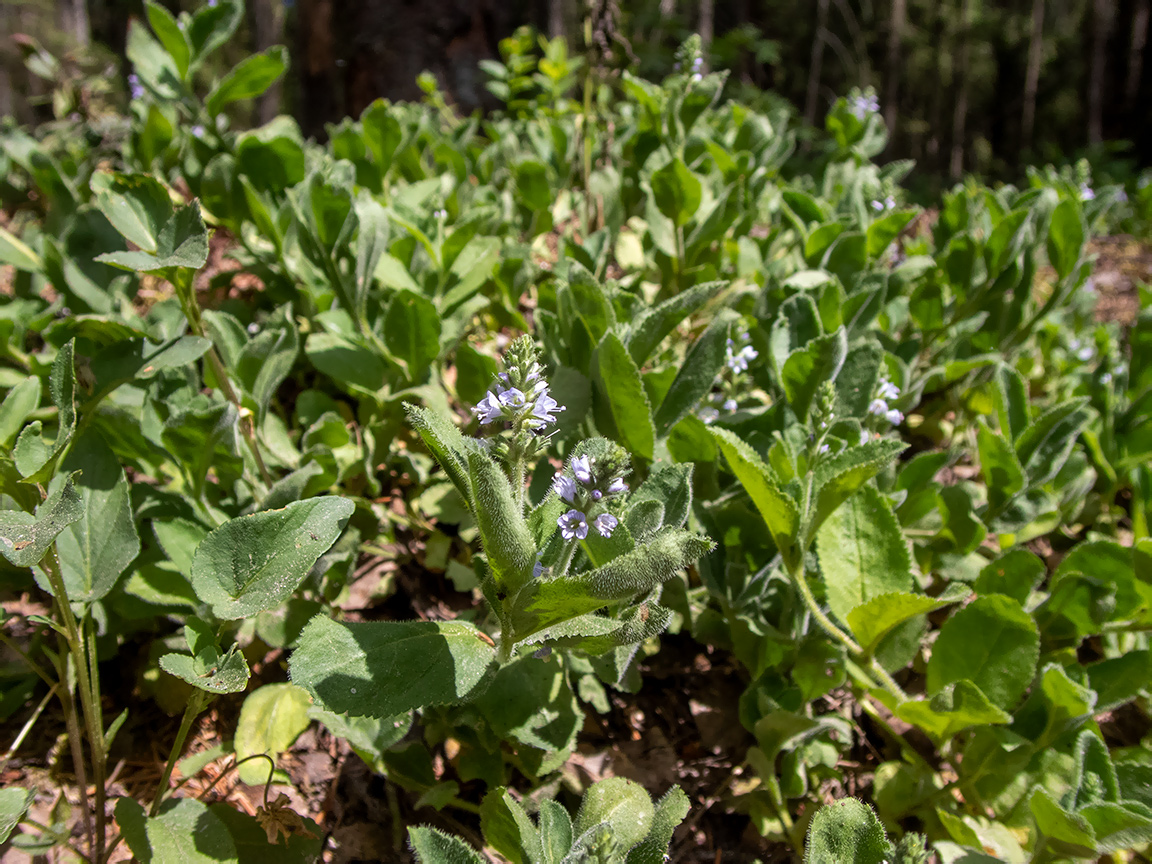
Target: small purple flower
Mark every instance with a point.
(510, 397)
(888, 390)
(582, 468)
(1086, 192)
(597, 494)
(572, 525)
(544, 408)
(738, 360)
(605, 523)
(894, 417)
(824, 448)
(617, 486)
(730, 405)
(489, 410)
(565, 487)
(878, 407)
(708, 415)
(135, 87)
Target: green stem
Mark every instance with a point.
(92, 719)
(40, 671)
(192, 710)
(191, 308)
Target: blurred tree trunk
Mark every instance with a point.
(895, 38)
(707, 26)
(1136, 54)
(266, 18)
(1101, 27)
(556, 19)
(73, 17)
(1032, 75)
(817, 61)
(960, 113)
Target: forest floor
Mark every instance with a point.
(680, 728)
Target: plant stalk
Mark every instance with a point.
(195, 705)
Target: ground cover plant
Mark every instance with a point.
(480, 448)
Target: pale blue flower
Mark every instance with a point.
(894, 417)
(565, 487)
(573, 525)
(512, 398)
(878, 407)
(605, 523)
(489, 409)
(888, 390)
(708, 415)
(582, 468)
(617, 486)
(730, 405)
(544, 408)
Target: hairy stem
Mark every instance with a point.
(192, 710)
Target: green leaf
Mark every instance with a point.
(185, 831)
(21, 401)
(957, 707)
(16, 253)
(24, 539)
(838, 478)
(345, 361)
(694, 381)
(547, 602)
(620, 802)
(181, 242)
(14, 803)
(412, 332)
(529, 702)
(532, 184)
(809, 367)
(1002, 472)
(507, 828)
(230, 675)
(248, 79)
(992, 642)
(846, 832)
(677, 191)
(255, 562)
(212, 26)
(618, 380)
(141, 359)
(1011, 397)
(271, 719)
(97, 548)
(858, 379)
(1120, 679)
(1056, 705)
(382, 133)
(1045, 445)
(887, 228)
(778, 510)
(1066, 235)
(555, 832)
(880, 614)
(436, 847)
(137, 205)
(504, 532)
(670, 812)
(1118, 827)
(1015, 573)
(450, 448)
(1069, 833)
(862, 553)
(475, 373)
(384, 667)
(170, 36)
(655, 323)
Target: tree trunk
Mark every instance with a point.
(895, 38)
(73, 16)
(267, 21)
(816, 62)
(1032, 75)
(1136, 55)
(707, 25)
(555, 18)
(1101, 26)
(960, 113)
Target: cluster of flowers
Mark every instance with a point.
(578, 489)
(863, 105)
(889, 203)
(738, 355)
(886, 392)
(536, 407)
(1084, 353)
